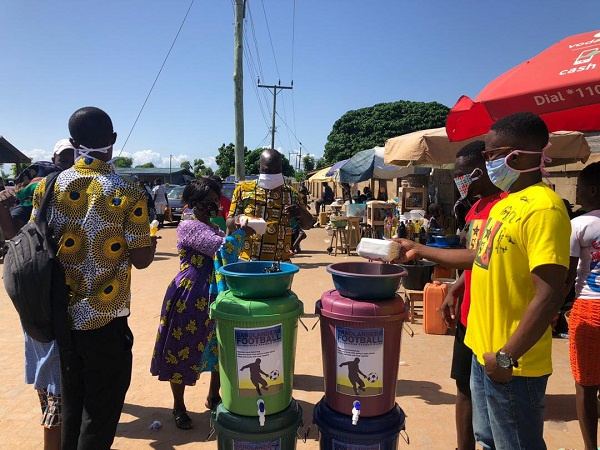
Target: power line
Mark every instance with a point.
(157, 75)
(270, 40)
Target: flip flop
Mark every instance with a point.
(182, 420)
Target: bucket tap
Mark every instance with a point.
(355, 412)
(261, 412)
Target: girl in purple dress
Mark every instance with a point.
(185, 330)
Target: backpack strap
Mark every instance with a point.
(40, 217)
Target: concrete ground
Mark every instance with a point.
(424, 390)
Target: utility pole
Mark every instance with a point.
(273, 90)
(170, 176)
(238, 82)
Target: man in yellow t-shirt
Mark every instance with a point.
(519, 270)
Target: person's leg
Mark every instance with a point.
(462, 357)
(107, 374)
(586, 400)
(516, 411)
(51, 419)
(178, 391)
(481, 419)
(72, 391)
(213, 398)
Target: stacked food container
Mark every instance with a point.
(361, 325)
(257, 324)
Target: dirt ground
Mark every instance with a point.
(424, 389)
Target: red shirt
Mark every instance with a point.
(224, 204)
(476, 219)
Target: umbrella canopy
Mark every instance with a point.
(335, 167)
(369, 164)
(321, 176)
(432, 147)
(561, 84)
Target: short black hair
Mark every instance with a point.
(91, 127)
(472, 152)
(199, 189)
(158, 181)
(524, 130)
(590, 175)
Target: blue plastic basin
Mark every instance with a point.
(247, 280)
(447, 241)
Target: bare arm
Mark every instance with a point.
(571, 275)
(143, 257)
(455, 258)
(9, 225)
(449, 304)
(549, 282)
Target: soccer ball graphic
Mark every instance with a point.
(372, 377)
(274, 375)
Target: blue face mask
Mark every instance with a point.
(500, 174)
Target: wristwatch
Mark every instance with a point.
(505, 361)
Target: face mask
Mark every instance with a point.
(210, 209)
(84, 152)
(270, 180)
(503, 176)
(463, 182)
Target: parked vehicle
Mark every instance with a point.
(175, 202)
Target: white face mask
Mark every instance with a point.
(84, 152)
(270, 180)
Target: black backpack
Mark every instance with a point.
(34, 278)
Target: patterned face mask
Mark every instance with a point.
(210, 209)
(463, 182)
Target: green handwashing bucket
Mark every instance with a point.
(279, 431)
(257, 348)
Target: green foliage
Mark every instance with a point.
(209, 172)
(13, 169)
(186, 165)
(148, 165)
(300, 175)
(321, 163)
(366, 128)
(123, 162)
(226, 160)
(308, 162)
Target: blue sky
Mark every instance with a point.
(61, 55)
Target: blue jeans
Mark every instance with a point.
(508, 416)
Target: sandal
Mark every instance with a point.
(182, 420)
(212, 402)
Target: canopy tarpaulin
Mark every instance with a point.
(321, 176)
(432, 147)
(369, 164)
(335, 167)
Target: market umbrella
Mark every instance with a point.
(321, 176)
(561, 84)
(432, 147)
(335, 167)
(369, 164)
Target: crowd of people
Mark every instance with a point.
(518, 263)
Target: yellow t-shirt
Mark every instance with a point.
(525, 230)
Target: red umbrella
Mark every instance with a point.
(561, 84)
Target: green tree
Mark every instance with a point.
(13, 169)
(366, 128)
(123, 162)
(148, 165)
(226, 160)
(186, 165)
(199, 167)
(308, 163)
(321, 163)
(209, 172)
(300, 175)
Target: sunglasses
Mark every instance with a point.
(495, 153)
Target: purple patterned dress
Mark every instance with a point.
(185, 329)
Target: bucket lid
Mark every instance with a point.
(248, 428)
(228, 306)
(334, 305)
(331, 421)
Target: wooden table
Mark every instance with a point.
(415, 301)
